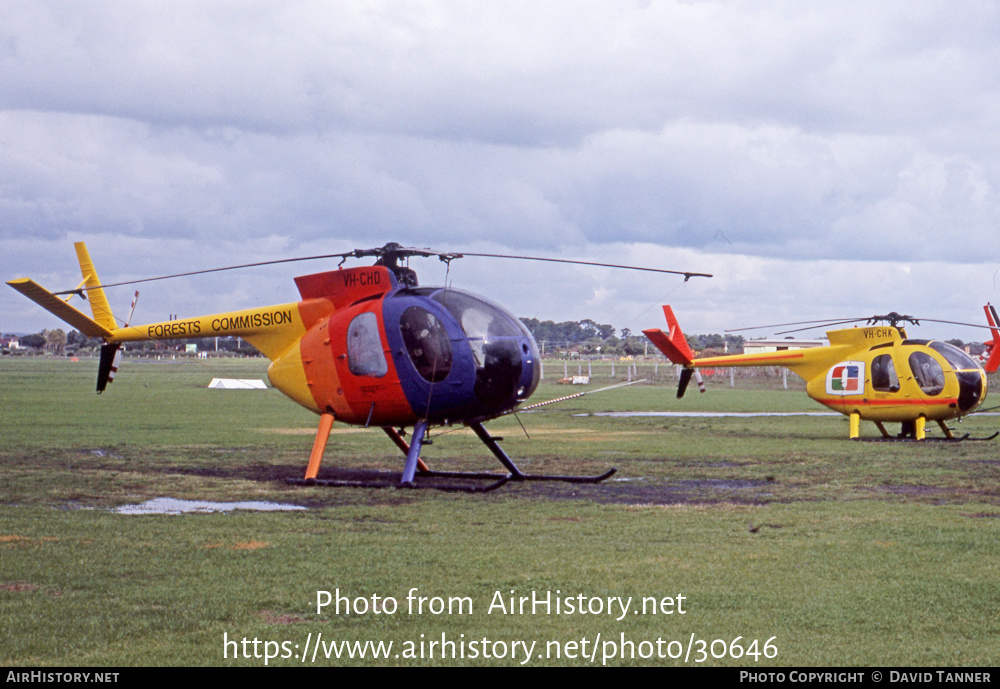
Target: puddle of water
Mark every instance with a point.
(175, 506)
(723, 483)
(734, 414)
(699, 414)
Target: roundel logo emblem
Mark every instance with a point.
(846, 378)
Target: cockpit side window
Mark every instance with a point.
(427, 343)
(365, 356)
(927, 372)
(884, 376)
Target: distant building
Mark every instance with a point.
(9, 342)
(975, 349)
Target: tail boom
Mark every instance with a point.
(271, 329)
(806, 363)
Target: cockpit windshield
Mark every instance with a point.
(478, 317)
(501, 345)
(484, 324)
(955, 356)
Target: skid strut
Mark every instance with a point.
(517, 475)
(415, 468)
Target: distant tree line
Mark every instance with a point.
(569, 338)
(59, 343)
(587, 338)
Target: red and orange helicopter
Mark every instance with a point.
(875, 373)
(366, 346)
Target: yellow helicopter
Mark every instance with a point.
(875, 372)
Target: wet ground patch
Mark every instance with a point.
(175, 506)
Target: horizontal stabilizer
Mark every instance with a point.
(674, 345)
(53, 304)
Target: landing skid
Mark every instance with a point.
(416, 469)
(393, 481)
(913, 432)
(910, 439)
(967, 436)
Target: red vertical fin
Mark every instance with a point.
(674, 345)
(993, 362)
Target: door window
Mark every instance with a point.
(884, 376)
(927, 372)
(365, 356)
(427, 343)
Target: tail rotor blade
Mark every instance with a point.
(684, 380)
(111, 358)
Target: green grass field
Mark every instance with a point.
(790, 545)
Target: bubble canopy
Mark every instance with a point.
(471, 355)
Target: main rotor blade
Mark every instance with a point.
(828, 324)
(391, 252)
(967, 325)
(845, 321)
(819, 324)
(389, 249)
(687, 274)
(211, 270)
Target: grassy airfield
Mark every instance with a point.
(789, 544)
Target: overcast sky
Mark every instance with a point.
(834, 159)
